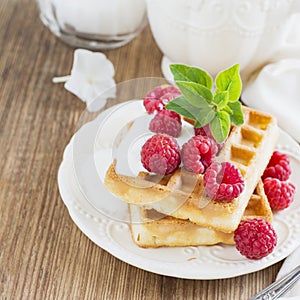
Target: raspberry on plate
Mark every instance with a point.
(223, 181)
(255, 238)
(278, 167)
(279, 193)
(205, 131)
(166, 121)
(161, 154)
(198, 153)
(157, 98)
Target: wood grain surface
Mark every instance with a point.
(43, 255)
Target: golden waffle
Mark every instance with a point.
(182, 194)
(151, 229)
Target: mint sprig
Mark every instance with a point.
(191, 74)
(220, 108)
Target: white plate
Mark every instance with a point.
(104, 218)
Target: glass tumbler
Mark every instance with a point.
(94, 24)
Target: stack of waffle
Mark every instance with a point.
(174, 210)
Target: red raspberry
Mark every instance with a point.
(166, 121)
(223, 181)
(198, 153)
(255, 238)
(157, 98)
(161, 154)
(205, 131)
(278, 167)
(279, 193)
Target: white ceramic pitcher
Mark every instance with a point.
(214, 34)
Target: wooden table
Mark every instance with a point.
(43, 255)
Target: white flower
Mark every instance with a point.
(92, 78)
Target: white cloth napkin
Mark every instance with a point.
(291, 262)
(276, 87)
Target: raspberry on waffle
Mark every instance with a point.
(161, 154)
(182, 195)
(157, 98)
(166, 121)
(198, 153)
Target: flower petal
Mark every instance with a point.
(91, 77)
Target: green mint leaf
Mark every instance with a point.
(183, 107)
(204, 117)
(191, 74)
(230, 80)
(197, 102)
(237, 116)
(195, 93)
(228, 109)
(220, 126)
(221, 99)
